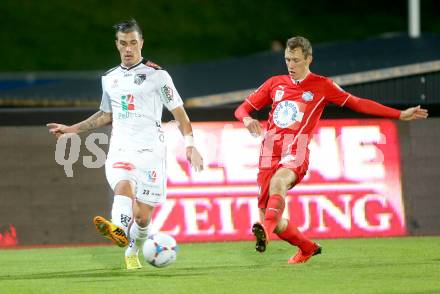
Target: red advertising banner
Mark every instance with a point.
(352, 189)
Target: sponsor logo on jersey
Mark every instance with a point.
(130, 115)
(307, 96)
(139, 78)
(286, 113)
(127, 102)
(151, 176)
(279, 95)
(167, 93)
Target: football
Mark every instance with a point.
(160, 250)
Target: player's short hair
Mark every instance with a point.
(300, 42)
(127, 26)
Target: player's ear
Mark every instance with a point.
(142, 43)
(309, 59)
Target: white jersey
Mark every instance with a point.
(135, 96)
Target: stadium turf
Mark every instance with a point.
(385, 265)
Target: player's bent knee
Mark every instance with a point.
(278, 185)
(124, 188)
(142, 221)
(142, 217)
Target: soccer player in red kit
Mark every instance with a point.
(297, 101)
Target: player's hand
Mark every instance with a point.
(59, 129)
(194, 158)
(414, 113)
(254, 127)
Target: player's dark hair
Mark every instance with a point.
(127, 26)
(300, 42)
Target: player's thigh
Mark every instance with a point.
(151, 179)
(283, 178)
(119, 171)
(299, 168)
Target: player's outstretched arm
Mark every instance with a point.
(97, 120)
(413, 113)
(371, 107)
(192, 154)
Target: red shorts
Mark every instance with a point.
(264, 176)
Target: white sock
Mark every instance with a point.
(138, 235)
(122, 211)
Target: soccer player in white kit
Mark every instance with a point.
(133, 95)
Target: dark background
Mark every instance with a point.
(77, 35)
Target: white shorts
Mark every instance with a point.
(145, 169)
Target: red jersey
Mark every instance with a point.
(296, 109)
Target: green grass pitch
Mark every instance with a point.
(383, 265)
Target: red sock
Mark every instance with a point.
(274, 211)
(292, 235)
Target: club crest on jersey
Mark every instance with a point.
(279, 95)
(167, 93)
(287, 113)
(307, 96)
(127, 102)
(139, 78)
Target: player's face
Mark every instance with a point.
(129, 46)
(297, 64)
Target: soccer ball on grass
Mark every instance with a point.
(160, 250)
